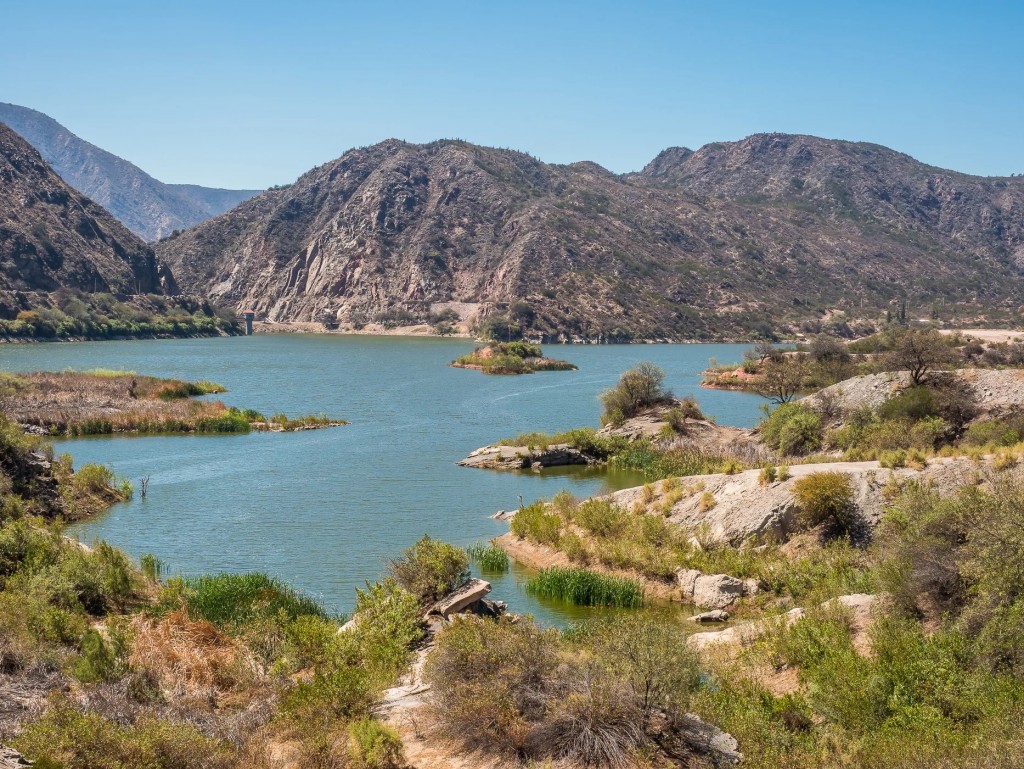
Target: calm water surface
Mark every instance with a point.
(325, 509)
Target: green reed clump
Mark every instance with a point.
(236, 599)
(490, 558)
(583, 587)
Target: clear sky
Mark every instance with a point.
(249, 94)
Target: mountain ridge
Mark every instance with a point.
(721, 241)
(148, 207)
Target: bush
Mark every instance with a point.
(372, 745)
(601, 517)
(638, 389)
(430, 569)
(537, 523)
(792, 429)
(74, 740)
(235, 600)
(826, 499)
(488, 679)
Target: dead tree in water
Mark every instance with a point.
(143, 486)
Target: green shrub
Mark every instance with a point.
(792, 429)
(430, 569)
(601, 517)
(826, 499)
(71, 739)
(236, 600)
(583, 587)
(538, 523)
(372, 745)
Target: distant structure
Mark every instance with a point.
(250, 316)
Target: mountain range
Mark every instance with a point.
(728, 240)
(52, 237)
(148, 207)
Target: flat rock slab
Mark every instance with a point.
(525, 458)
(467, 594)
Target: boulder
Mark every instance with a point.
(716, 591)
(715, 615)
(713, 591)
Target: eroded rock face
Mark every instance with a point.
(998, 391)
(737, 508)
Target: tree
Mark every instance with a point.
(921, 352)
(638, 388)
(763, 351)
(783, 380)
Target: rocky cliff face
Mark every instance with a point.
(52, 237)
(721, 241)
(149, 208)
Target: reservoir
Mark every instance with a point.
(326, 509)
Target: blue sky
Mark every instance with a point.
(249, 94)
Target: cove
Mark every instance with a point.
(326, 509)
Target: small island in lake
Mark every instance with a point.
(103, 402)
(511, 358)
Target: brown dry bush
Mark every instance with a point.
(191, 659)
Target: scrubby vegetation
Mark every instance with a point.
(103, 402)
(603, 695)
(70, 314)
(639, 388)
(511, 358)
(430, 569)
(935, 682)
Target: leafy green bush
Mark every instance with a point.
(537, 523)
(430, 569)
(601, 517)
(490, 558)
(72, 739)
(792, 429)
(236, 600)
(826, 499)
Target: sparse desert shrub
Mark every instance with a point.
(826, 499)
(574, 548)
(707, 502)
(768, 475)
(488, 679)
(430, 569)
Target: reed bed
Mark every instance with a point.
(490, 558)
(584, 587)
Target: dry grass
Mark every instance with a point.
(191, 659)
(63, 401)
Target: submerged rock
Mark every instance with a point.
(716, 615)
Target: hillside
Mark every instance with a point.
(731, 240)
(51, 237)
(149, 208)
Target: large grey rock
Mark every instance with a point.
(712, 591)
(525, 458)
(716, 591)
(11, 759)
(464, 596)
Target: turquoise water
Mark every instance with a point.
(326, 509)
